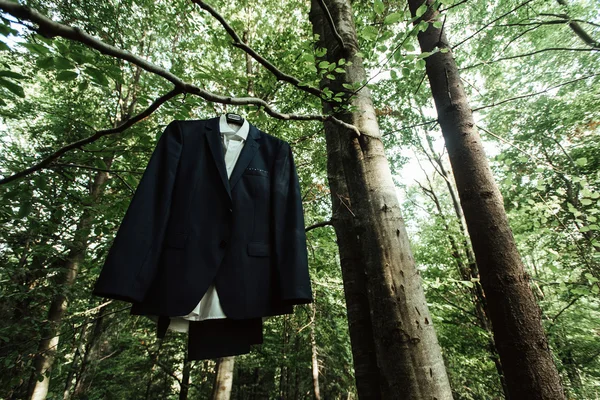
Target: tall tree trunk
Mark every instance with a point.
(185, 380)
(315, 359)
(407, 351)
(529, 369)
(91, 355)
(77, 355)
(223, 378)
(47, 347)
(467, 274)
(366, 369)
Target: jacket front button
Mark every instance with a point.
(223, 244)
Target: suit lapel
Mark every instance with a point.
(216, 147)
(248, 152)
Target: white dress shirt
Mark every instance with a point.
(233, 138)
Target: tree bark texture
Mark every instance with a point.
(91, 355)
(314, 352)
(185, 380)
(408, 354)
(516, 321)
(51, 333)
(223, 378)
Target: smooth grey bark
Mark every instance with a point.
(314, 353)
(408, 354)
(516, 320)
(223, 378)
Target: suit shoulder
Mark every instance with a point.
(273, 140)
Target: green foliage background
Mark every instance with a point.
(533, 84)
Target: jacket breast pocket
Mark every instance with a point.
(256, 172)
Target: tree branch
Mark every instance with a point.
(50, 28)
(578, 29)
(523, 96)
(318, 225)
(526, 55)
(478, 31)
(46, 161)
(113, 171)
(239, 43)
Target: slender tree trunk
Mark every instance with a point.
(78, 354)
(50, 334)
(466, 274)
(185, 380)
(92, 352)
(407, 351)
(315, 359)
(223, 378)
(529, 369)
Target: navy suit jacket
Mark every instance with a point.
(189, 226)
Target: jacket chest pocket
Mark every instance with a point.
(259, 183)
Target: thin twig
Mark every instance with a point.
(114, 171)
(523, 96)
(239, 43)
(527, 55)
(318, 225)
(490, 23)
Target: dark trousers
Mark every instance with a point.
(215, 338)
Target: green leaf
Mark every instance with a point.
(45, 62)
(83, 85)
(63, 63)
(36, 48)
(11, 74)
(409, 47)
(330, 76)
(5, 30)
(4, 46)
(421, 10)
(420, 63)
(379, 7)
(392, 18)
(323, 64)
(581, 161)
(586, 202)
(97, 76)
(131, 180)
(65, 76)
(591, 278)
(24, 210)
(437, 24)
(340, 70)
(369, 32)
(13, 87)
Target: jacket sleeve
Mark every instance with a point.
(291, 257)
(132, 260)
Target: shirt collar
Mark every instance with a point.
(242, 132)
